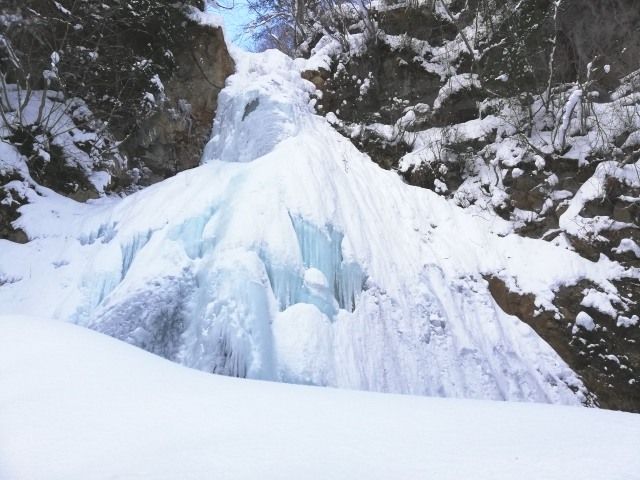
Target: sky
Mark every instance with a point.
(235, 18)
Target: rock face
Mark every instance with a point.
(94, 117)
(474, 125)
(172, 140)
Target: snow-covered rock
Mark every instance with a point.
(585, 321)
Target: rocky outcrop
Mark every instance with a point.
(172, 139)
(93, 116)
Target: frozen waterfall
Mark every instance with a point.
(288, 255)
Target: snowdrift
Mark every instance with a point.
(75, 404)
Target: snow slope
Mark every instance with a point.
(288, 255)
(75, 404)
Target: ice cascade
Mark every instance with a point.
(288, 255)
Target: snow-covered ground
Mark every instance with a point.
(76, 404)
(288, 255)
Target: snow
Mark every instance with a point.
(288, 255)
(429, 145)
(61, 8)
(572, 222)
(585, 321)
(517, 172)
(100, 180)
(628, 245)
(455, 85)
(303, 344)
(206, 18)
(633, 140)
(156, 82)
(328, 48)
(627, 321)
(599, 301)
(10, 158)
(75, 404)
(331, 117)
(364, 88)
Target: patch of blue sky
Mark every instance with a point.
(236, 16)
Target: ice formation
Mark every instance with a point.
(288, 255)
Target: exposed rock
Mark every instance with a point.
(317, 77)
(420, 23)
(607, 357)
(172, 140)
(459, 107)
(382, 152)
(378, 85)
(10, 202)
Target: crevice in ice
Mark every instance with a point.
(321, 249)
(107, 283)
(131, 248)
(286, 283)
(97, 287)
(190, 234)
(250, 107)
(229, 357)
(105, 233)
(327, 281)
